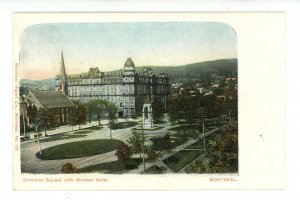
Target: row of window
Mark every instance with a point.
(101, 90)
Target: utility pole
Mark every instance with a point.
(37, 136)
(203, 131)
(23, 118)
(144, 166)
(110, 135)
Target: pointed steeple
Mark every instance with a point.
(63, 86)
(62, 68)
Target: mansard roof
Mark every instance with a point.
(94, 71)
(49, 99)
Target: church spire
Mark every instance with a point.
(63, 81)
(62, 68)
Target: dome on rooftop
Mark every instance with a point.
(129, 63)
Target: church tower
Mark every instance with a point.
(63, 85)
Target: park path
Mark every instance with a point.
(160, 162)
(31, 164)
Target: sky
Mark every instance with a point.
(107, 45)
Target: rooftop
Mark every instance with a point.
(52, 99)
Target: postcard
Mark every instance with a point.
(149, 101)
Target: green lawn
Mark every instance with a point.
(179, 160)
(60, 137)
(157, 142)
(79, 149)
(122, 125)
(115, 167)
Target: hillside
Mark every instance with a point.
(198, 71)
(36, 85)
(182, 74)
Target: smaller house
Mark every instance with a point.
(203, 90)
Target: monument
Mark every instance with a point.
(147, 116)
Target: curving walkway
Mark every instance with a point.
(31, 164)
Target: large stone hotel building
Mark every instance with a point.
(128, 89)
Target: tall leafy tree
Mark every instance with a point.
(136, 142)
(89, 113)
(183, 107)
(158, 110)
(42, 119)
(77, 115)
(73, 116)
(175, 109)
(167, 145)
(97, 108)
(152, 155)
(112, 110)
(81, 114)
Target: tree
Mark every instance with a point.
(183, 107)
(224, 155)
(167, 143)
(136, 142)
(96, 107)
(42, 119)
(77, 115)
(89, 113)
(73, 116)
(176, 109)
(158, 110)
(112, 110)
(134, 115)
(152, 155)
(81, 115)
(124, 153)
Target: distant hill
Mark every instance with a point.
(36, 85)
(49, 81)
(195, 71)
(182, 74)
(198, 71)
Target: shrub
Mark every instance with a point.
(69, 168)
(123, 153)
(132, 163)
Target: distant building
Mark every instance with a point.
(230, 89)
(208, 93)
(176, 85)
(128, 89)
(203, 90)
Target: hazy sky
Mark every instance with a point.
(107, 45)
